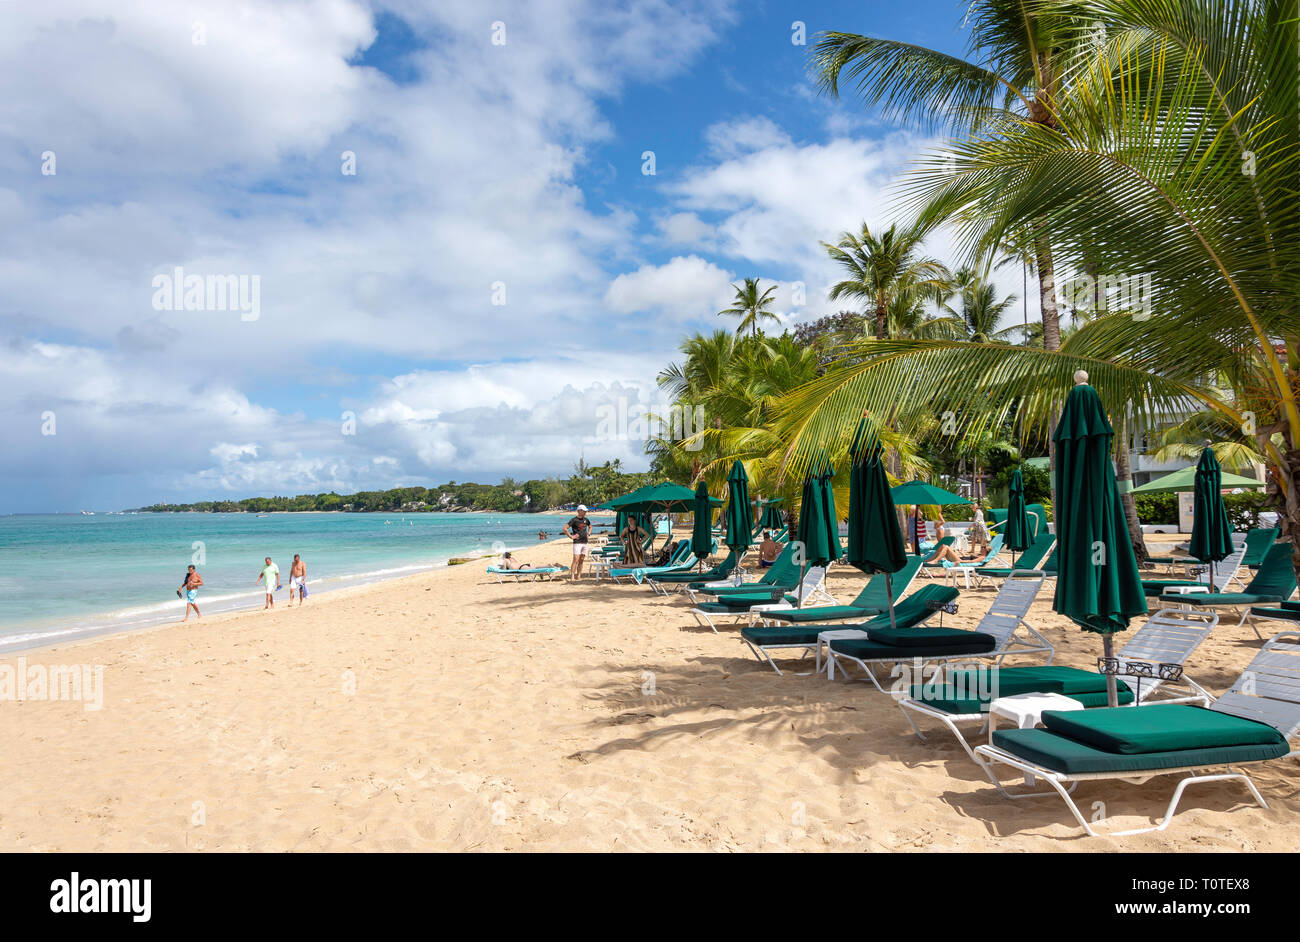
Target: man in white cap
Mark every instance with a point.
(577, 529)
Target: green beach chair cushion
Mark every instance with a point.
(924, 637)
(1274, 582)
(962, 689)
(1174, 727)
(911, 611)
(1258, 542)
(1062, 754)
(1288, 614)
(873, 599)
(866, 649)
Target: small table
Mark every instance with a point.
(825, 638)
(1026, 710)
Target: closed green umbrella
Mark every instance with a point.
(1097, 585)
(771, 518)
(702, 530)
(1211, 532)
(740, 517)
(1016, 535)
(818, 522)
(875, 541)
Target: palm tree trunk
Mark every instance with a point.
(1051, 334)
(1124, 474)
(882, 321)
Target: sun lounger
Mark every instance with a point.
(1252, 722)
(961, 698)
(914, 610)
(781, 576)
(531, 573)
(952, 570)
(930, 551)
(871, 601)
(1274, 582)
(662, 582)
(1258, 542)
(1224, 572)
(681, 560)
(996, 636)
(1029, 560)
(745, 606)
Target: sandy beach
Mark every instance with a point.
(446, 712)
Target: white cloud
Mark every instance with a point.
(684, 288)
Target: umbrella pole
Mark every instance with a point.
(889, 593)
(1108, 652)
(803, 567)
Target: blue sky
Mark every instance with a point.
(496, 272)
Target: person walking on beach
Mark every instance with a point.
(190, 590)
(297, 577)
(577, 530)
(269, 571)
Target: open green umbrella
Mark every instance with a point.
(875, 541)
(818, 522)
(702, 530)
(664, 497)
(740, 517)
(918, 493)
(1016, 535)
(1097, 585)
(1211, 532)
(1184, 479)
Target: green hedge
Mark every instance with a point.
(1243, 509)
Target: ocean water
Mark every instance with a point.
(64, 576)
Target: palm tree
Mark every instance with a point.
(1172, 154)
(980, 311)
(886, 271)
(751, 306)
(1012, 75)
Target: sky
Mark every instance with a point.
(431, 241)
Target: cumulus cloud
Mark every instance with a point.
(685, 287)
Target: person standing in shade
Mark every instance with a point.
(297, 578)
(577, 529)
(979, 532)
(269, 571)
(632, 537)
(190, 589)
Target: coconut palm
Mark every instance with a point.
(886, 271)
(1172, 155)
(979, 311)
(1011, 75)
(752, 306)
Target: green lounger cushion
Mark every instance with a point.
(1159, 586)
(925, 637)
(976, 704)
(763, 635)
(1288, 614)
(825, 613)
(1173, 727)
(743, 600)
(966, 691)
(866, 649)
(1218, 598)
(1062, 754)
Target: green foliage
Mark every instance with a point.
(1157, 508)
(589, 484)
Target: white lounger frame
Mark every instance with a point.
(813, 588)
(1273, 676)
(1005, 617)
(1169, 637)
(900, 590)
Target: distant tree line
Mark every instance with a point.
(589, 484)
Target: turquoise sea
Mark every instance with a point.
(65, 576)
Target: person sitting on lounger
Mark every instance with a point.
(768, 550)
(665, 554)
(943, 553)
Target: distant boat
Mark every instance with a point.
(88, 513)
(263, 515)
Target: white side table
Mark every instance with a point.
(825, 638)
(1026, 711)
